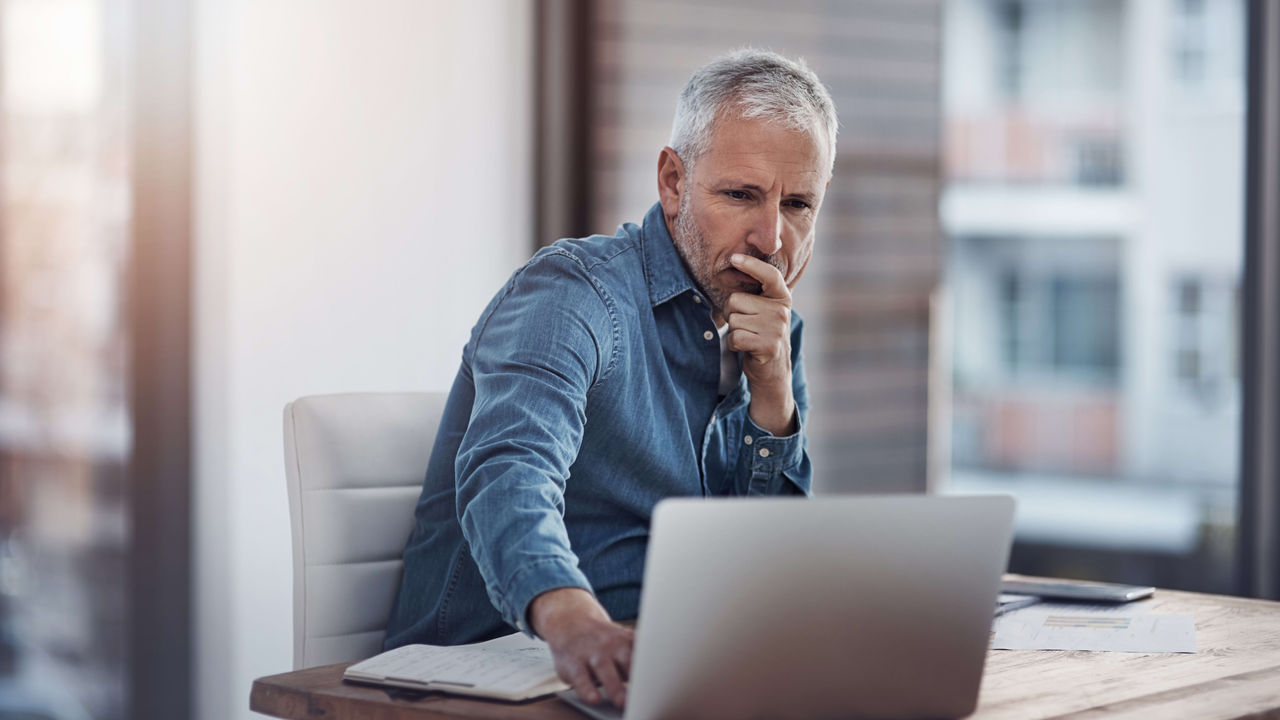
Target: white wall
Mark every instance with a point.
(363, 178)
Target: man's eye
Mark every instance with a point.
(736, 194)
(798, 204)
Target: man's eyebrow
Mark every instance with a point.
(803, 195)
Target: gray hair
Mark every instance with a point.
(756, 84)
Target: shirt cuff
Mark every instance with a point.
(532, 580)
(773, 459)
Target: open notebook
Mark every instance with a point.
(513, 667)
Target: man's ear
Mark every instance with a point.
(671, 181)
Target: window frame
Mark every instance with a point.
(1258, 520)
(159, 605)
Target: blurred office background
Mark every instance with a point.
(1031, 278)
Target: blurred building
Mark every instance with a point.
(1094, 206)
(65, 160)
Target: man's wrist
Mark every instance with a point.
(776, 415)
(555, 609)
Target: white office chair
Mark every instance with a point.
(354, 465)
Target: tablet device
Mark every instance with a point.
(1079, 591)
(1008, 602)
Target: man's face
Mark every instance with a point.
(756, 191)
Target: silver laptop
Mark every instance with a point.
(829, 607)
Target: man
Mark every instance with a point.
(612, 372)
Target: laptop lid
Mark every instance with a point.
(804, 608)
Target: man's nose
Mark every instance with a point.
(766, 236)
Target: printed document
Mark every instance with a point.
(1113, 628)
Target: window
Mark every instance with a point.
(1205, 345)
(1009, 52)
(1095, 241)
(1060, 324)
(1188, 31)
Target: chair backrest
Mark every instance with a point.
(354, 465)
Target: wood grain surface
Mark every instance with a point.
(1234, 674)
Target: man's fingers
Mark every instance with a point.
(741, 340)
(597, 663)
(760, 348)
(580, 678)
(770, 310)
(772, 316)
(622, 657)
(772, 284)
(606, 673)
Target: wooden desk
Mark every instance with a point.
(1235, 673)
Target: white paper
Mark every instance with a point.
(508, 664)
(1059, 627)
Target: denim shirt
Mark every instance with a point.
(588, 391)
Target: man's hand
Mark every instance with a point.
(760, 326)
(588, 647)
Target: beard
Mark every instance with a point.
(699, 259)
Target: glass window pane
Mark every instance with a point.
(1093, 207)
(64, 427)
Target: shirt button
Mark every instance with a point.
(708, 335)
(748, 440)
(697, 299)
(764, 452)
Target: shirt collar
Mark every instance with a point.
(663, 269)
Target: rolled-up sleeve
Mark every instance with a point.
(536, 357)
